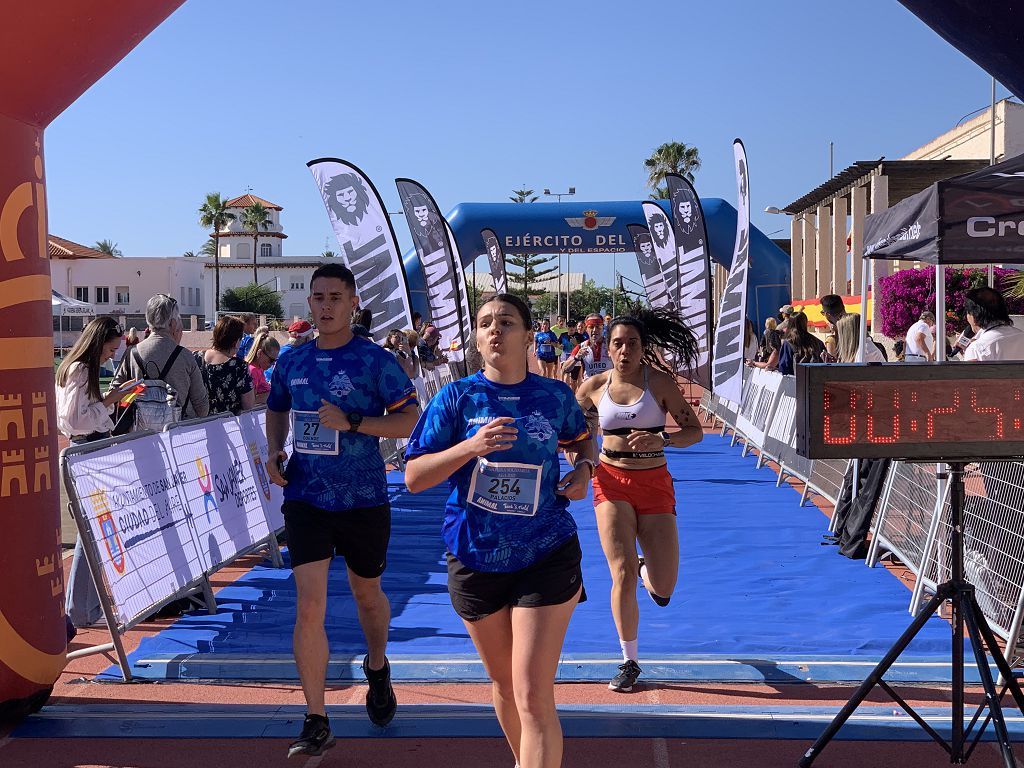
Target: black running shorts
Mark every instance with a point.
(359, 535)
(552, 581)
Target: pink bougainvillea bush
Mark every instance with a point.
(904, 295)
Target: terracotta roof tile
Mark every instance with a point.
(244, 201)
(59, 248)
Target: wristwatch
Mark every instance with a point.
(666, 437)
(354, 420)
(581, 462)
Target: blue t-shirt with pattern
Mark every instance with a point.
(546, 415)
(358, 377)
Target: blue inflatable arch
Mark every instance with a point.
(589, 230)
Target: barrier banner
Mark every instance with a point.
(254, 434)
(691, 235)
(650, 269)
(760, 397)
(495, 260)
(433, 246)
(130, 495)
(164, 509)
(665, 249)
(219, 487)
(368, 243)
(727, 367)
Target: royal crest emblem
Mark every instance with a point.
(590, 220)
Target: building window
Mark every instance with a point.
(82, 293)
(199, 299)
(122, 294)
(183, 295)
(265, 251)
(102, 294)
(298, 282)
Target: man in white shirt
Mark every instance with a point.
(921, 339)
(995, 337)
(833, 308)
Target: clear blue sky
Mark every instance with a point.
(477, 98)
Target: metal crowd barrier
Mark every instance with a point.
(904, 515)
(911, 518)
(993, 546)
(155, 525)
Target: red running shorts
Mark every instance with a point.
(648, 491)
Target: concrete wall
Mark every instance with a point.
(972, 139)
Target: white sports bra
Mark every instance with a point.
(645, 414)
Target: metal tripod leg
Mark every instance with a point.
(942, 594)
(970, 615)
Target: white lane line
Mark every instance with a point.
(659, 746)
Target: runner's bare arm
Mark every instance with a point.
(277, 433)
(667, 392)
(426, 471)
(585, 400)
(398, 424)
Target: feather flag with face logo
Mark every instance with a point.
(367, 241)
(727, 368)
(691, 236)
(446, 280)
(650, 270)
(495, 260)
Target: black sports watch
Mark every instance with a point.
(666, 437)
(354, 420)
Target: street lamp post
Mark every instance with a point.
(558, 290)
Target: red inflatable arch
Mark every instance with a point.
(51, 53)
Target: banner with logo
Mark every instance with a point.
(164, 509)
(691, 236)
(130, 495)
(727, 367)
(434, 248)
(368, 243)
(665, 249)
(219, 486)
(495, 260)
(650, 269)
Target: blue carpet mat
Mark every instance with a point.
(758, 599)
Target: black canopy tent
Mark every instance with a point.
(976, 218)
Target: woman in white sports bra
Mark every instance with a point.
(633, 493)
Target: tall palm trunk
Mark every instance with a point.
(255, 241)
(216, 275)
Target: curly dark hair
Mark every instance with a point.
(663, 333)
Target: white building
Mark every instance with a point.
(236, 244)
(122, 286)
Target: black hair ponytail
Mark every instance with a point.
(665, 337)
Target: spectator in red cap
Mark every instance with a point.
(299, 333)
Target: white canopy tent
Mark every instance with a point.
(64, 306)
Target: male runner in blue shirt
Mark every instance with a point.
(338, 395)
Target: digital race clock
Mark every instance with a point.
(910, 411)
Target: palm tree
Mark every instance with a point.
(108, 247)
(255, 218)
(214, 213)
(523, 196)
(660, 193)
(209, 247)
(671, 157)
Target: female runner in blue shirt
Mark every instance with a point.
(513, 555)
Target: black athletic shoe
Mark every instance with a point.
(380, 698)
(662, 601)
(314, 739)
(623, 682)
